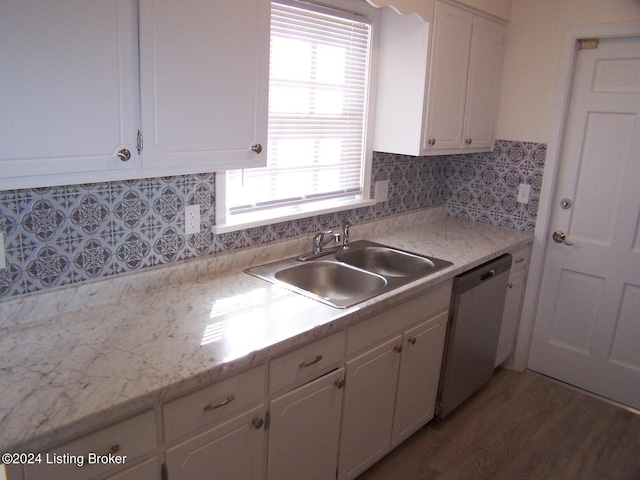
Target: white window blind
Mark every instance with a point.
(318, 84)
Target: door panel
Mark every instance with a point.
(587, 328)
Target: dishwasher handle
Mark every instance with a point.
(480, 274)
(487, 275)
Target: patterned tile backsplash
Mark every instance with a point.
(63, 235)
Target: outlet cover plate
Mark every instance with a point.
(192, 219)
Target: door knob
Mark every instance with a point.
(560, 237)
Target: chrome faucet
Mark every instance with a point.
(319, 242)
(345, 234)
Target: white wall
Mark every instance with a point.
(533, 41)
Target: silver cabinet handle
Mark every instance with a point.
(229, 399)
(520, 260)
(312, 362)
(560, 237)
(124, 155)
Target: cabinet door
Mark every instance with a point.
(229, 451)
(485, 66)
(423, 347)
(69, 91)
(510, 317)
(204, 81)
(368, 407)
(304, 430)
(448, 77)
(148, 470)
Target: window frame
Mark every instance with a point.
(313, 208)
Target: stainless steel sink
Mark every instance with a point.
(342, 278)
(334, 281)
(388, 261)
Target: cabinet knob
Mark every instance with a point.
(413, 340)
(397, 348)
(339, 382)
(124, 155)
(468, 141)
(257, 423)
(432, 141)
(257, 148)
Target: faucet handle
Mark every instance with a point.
(345, 234)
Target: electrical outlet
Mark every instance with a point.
(192, 219)
(382, 191)
(523, 193)
(3, 260)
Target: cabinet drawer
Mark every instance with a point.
(211, 404)
(520, 260)
(128, 440)
(306, 362)
(380, 326)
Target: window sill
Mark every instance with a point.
(258, 219)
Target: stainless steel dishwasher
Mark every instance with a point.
(475, 317)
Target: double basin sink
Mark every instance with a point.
(343, 278)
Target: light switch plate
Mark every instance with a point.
(382, 191)
(523, 193)
(3, 260)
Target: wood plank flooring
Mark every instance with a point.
(521, 426)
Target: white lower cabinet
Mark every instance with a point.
(304, 430)
(513, 304)
(392, 378)
(146, 470)
(125, 442)
(370, 395)
(422, 351)
(220, 429)
(229, 451)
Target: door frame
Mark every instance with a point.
(562, 100)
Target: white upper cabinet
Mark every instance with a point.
(204, 84)
(69, 92)
(483, 85)
(79, 80)
(452, 109)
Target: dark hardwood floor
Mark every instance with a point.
(521, 426)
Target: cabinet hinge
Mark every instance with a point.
(267, 420)
(588, 44)
(164, 475)
(139, 143)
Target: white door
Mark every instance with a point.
(587, 328)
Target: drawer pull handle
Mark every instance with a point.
(412, 340)
(229, 399)
(520, 260)
(314, 361)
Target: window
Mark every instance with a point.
(317, 155)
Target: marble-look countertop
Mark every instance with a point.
(67, 367)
